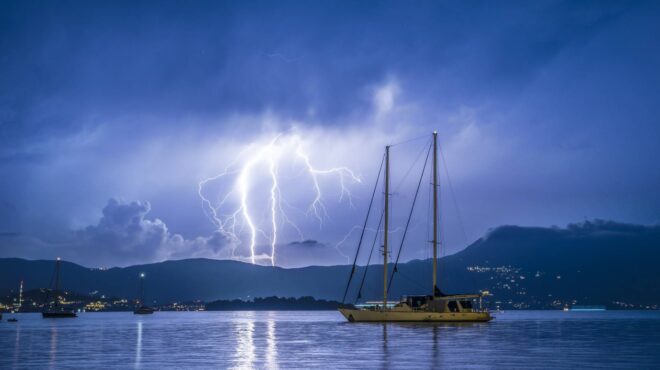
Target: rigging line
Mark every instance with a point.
(453, 195)
(412, 208)
(366, 268)
(357, 252)
(419, 155)
(406, 141)
(458, 210)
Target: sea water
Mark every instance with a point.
(323, 339)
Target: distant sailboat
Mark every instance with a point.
(436, 307)
(56, 310)
(142, 309)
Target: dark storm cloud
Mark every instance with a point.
(549, 108)
(66, 65)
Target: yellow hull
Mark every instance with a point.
(356, 315)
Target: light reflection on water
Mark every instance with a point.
(273, 340)
(138, 345)
(17, 344)
(271, 352)
(53, 346)
(245, 351)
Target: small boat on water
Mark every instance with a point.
(435, 307)
(12, 320)
(58, 313)
(56, 310)
(142, 309)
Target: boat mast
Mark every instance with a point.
(142, 289)
(57, 280)
(386, 228)
(20, 296)
(435, 212)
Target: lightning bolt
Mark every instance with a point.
(317, 205)
(241, 219)
(274, 191)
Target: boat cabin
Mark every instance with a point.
(447, 303)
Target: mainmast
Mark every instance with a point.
(142, 289)
(386, 228)
(20, 296)
(435, 212)
(57, 280)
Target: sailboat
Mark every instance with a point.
(56, 310)
(435, 307)
(142, 309)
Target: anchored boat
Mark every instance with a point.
(436, 307)
(142, 309)
(56, 310)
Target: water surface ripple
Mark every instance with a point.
(287, 340)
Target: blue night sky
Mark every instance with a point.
(111, 113)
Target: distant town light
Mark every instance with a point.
(142, 274)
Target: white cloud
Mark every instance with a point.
(384, 98)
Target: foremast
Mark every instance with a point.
(57, 281)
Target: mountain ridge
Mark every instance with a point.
(598, 262)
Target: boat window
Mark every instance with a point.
(420, 301)
(416, 301)
(466, 305)
(453, 306)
